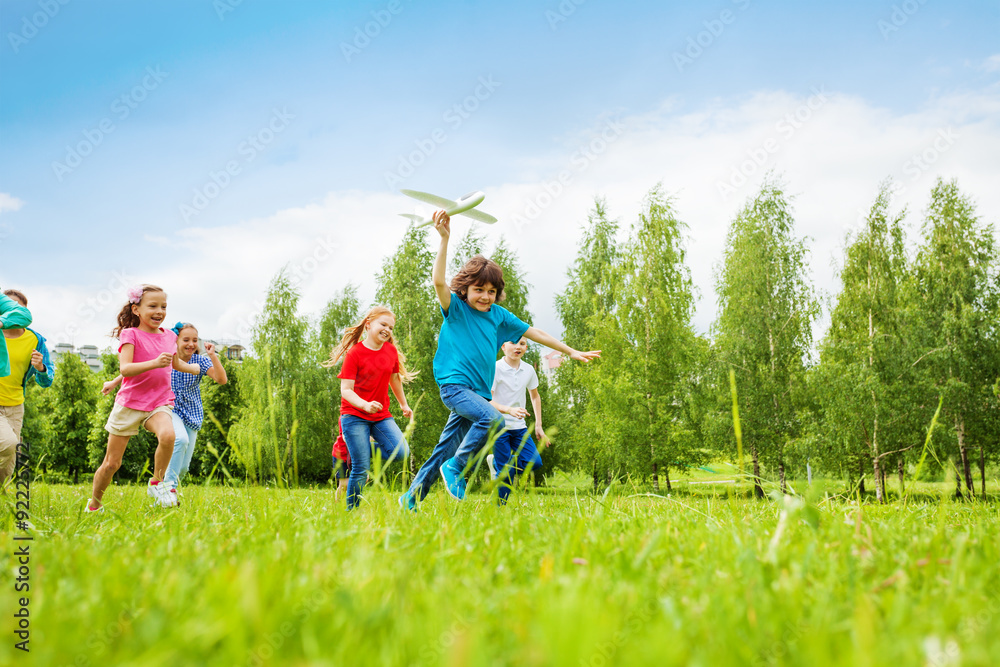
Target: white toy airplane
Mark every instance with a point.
(464, 206)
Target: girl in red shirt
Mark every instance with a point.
(372, 365)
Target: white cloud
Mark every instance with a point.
(991, 64)
(9, 202)
(831, 155)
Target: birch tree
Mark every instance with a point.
(763, 330)
(955, 278)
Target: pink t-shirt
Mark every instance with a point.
(147, 391)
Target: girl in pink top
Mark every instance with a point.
(146, 354)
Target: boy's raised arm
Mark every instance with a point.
(548, 340)
(442, 223)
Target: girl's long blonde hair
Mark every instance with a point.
(353, 336)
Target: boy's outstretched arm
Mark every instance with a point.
(442, 223)
(547, 340)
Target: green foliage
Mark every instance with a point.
(655, 310)
(586, 309)
(866, 386)
(634, 411)
(764, 326)
(222, 405)
(404, 285)
(75, 391)
(286, 417)
(904, 332)
(956, 292)
(342, 311)
(38, 429)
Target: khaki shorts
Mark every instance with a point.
(126, 421)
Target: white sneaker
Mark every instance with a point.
(177, 497)
(493, 471)
(86, 508)
(160, 494)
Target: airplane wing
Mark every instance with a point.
(479, 216)
(433, 200)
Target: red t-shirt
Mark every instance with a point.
(340, 449)
(370, 370)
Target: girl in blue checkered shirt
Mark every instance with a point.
(188, 413)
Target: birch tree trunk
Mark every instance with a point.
(963, 452)
(876, 465)
(758, 492)
(982, 469)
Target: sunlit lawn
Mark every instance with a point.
(271, 576)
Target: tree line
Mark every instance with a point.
(903, 382)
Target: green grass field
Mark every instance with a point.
(247, 576)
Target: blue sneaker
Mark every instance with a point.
(408, 502)
(453, 480)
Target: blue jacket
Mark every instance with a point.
(12, 316)
(45, 378)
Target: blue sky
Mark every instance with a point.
(182, 85)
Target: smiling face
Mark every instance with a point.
(187, 343)
(380, 329)
(482, 297)
(151, 310)
(514, 351)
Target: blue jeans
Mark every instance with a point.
(357, 434)
(467, 430)
(519, 442)
(180, 460)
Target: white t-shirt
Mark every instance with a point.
(509, 386)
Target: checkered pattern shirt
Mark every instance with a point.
(187, 392)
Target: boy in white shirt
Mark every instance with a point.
(514, 451)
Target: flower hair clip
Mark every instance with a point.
(135, 294)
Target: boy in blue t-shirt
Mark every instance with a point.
(473, 330)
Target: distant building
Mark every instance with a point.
(550, 362)
(228, 347)
(89, 355)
